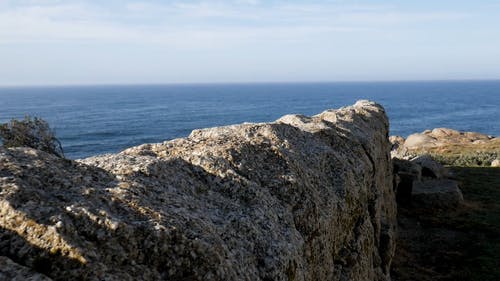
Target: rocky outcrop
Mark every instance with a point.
(302, 198)
(449, 146)
(443, 137)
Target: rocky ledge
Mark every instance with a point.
(302, 198)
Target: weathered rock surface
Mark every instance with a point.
(303, 198)
(443, 194)
(430, 168)
(397, 144)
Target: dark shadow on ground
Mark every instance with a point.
(461, 244)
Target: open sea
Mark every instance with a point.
(91, 120)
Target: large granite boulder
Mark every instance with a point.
(302, 198)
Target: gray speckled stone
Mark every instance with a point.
(302, 198)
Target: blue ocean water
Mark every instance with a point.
(92, 120)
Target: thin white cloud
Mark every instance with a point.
(399, 18)
(184, 24)
(248, 2)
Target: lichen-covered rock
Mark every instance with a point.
(303, 198)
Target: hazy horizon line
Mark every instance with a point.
(242, 83)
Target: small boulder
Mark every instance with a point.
(419, 140)
(436, 194)
(495, 163)
(430, 167)
(477, 137)
(444, 133)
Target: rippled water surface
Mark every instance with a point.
(92, 120)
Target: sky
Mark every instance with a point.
(51, 42)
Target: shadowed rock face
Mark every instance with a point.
(13, 271)
(303, 198)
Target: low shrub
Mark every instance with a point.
(30, 132)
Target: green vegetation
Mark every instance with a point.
(467, 159)
(464, 155)
(30, 132)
